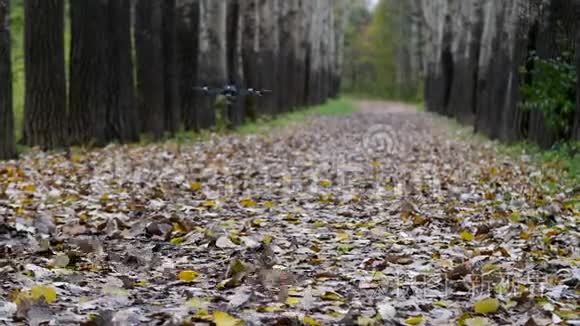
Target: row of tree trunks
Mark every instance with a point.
(7, 146)
(473, 59)
(291, 47)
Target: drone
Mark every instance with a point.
(232, 92)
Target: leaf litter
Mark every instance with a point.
(306, 225)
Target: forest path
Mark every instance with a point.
(381, 214)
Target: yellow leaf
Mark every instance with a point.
(269, 204)
(43, 292)
(141, 283)
(466, 235)
(477, 321)
(415, 320)
(311, 321)
(332, 296)
(248, 203)
(271, 308)
(325, 183)
(257, 222)
(292, 301)
(209, 203)
(342, 236)
(177, 241)
(29, 188)
(188, 276)
(376, 164)
(366, 321)
(179, 228)
(486, 306)
(221, 318)
(268, 239)
(195, 186)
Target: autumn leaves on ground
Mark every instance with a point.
(380, 217)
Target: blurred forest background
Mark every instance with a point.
(507, 68)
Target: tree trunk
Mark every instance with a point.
(123, 119)
(268, 55)
(234, 49)
(150, 65)
(213, 56)
(311, 45)
(288, 16)
(88, 72)
(45, 99)
(250, 51)
(576, 132)
(172, 103)
(301, 56)
(7, 145)
(188, 56)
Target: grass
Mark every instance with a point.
(563, 157)
(337, 107)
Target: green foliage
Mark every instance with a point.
(564, 157)
(552, 90)
(373, 49)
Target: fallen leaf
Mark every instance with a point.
(415, 320)
(466, 236)
(46, 293)
(311, 321)
(221, 318)
(187, 276)
(486, 306)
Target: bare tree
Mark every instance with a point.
(45, 98)
(7, 145)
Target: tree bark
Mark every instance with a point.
(150, 65)
(301, 57)
(172, 103)
(123, 119)
(287, 29)
(576, 132)
(45, 98)
(7, 145)
(88, 73)
(250, 52)
(213, 56)
(188, 56)
(234, 49)
(268, 54)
